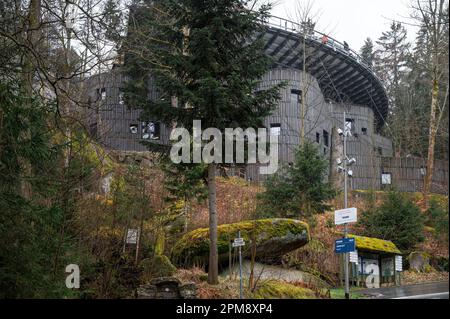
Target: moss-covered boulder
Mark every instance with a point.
(272, 237)
(274, 289)
(419, 261)
(155, 267)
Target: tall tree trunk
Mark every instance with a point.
(432, 137)
(213, 267)
(32, 35)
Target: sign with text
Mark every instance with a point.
(345, 216)
(354, 257)
(344, 245)
(132, 236)
(398, 263)
(238, 242)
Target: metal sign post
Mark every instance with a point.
(398, 268)
(239, 242)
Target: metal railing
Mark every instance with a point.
(323, 39)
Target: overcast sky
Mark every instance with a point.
(353, 20)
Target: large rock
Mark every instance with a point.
(419, 261)
(167, 288)
(273, 239)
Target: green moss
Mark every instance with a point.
(375, 244)
(194, 246)
(158, 266)
(273, 289)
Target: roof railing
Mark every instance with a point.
(291, 26)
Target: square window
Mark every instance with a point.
(275, 129)
(134, 128)
(364, 131)
(386, 179)
(150, 130)
(350, 125)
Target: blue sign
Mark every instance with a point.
(344, 245)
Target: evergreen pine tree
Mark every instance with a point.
(367, 52)
(300, 190)
(396, 219)
(391, 58)
(207, 62)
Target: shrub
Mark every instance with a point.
(299, 190)
(158, 266)
(437, 217)
(396, 219)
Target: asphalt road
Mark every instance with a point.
(438, 290)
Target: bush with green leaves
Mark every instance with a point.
(299, 190)
(437, 217)
(397, 219)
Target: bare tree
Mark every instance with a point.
(433, 15)
(306, 16)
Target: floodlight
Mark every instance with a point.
(350, 173)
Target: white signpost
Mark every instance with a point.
(354, 257)
(345, 216)
(398, 263)
(132, 236)
(238, 242)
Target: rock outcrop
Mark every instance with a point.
(272, 237)
(419, 261)
(167, 288)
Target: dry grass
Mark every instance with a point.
(413, 277)
(226, 289)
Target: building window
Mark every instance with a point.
(134, 128)
(364, 131)
(101, 94)
(275, 129)
(121, 98)
(350, 125)
(296, 96)
(318, 138)
(326, 141)
(380, 151)
(386, 179)
(93, 130)
(150, 131)
(423, 171)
